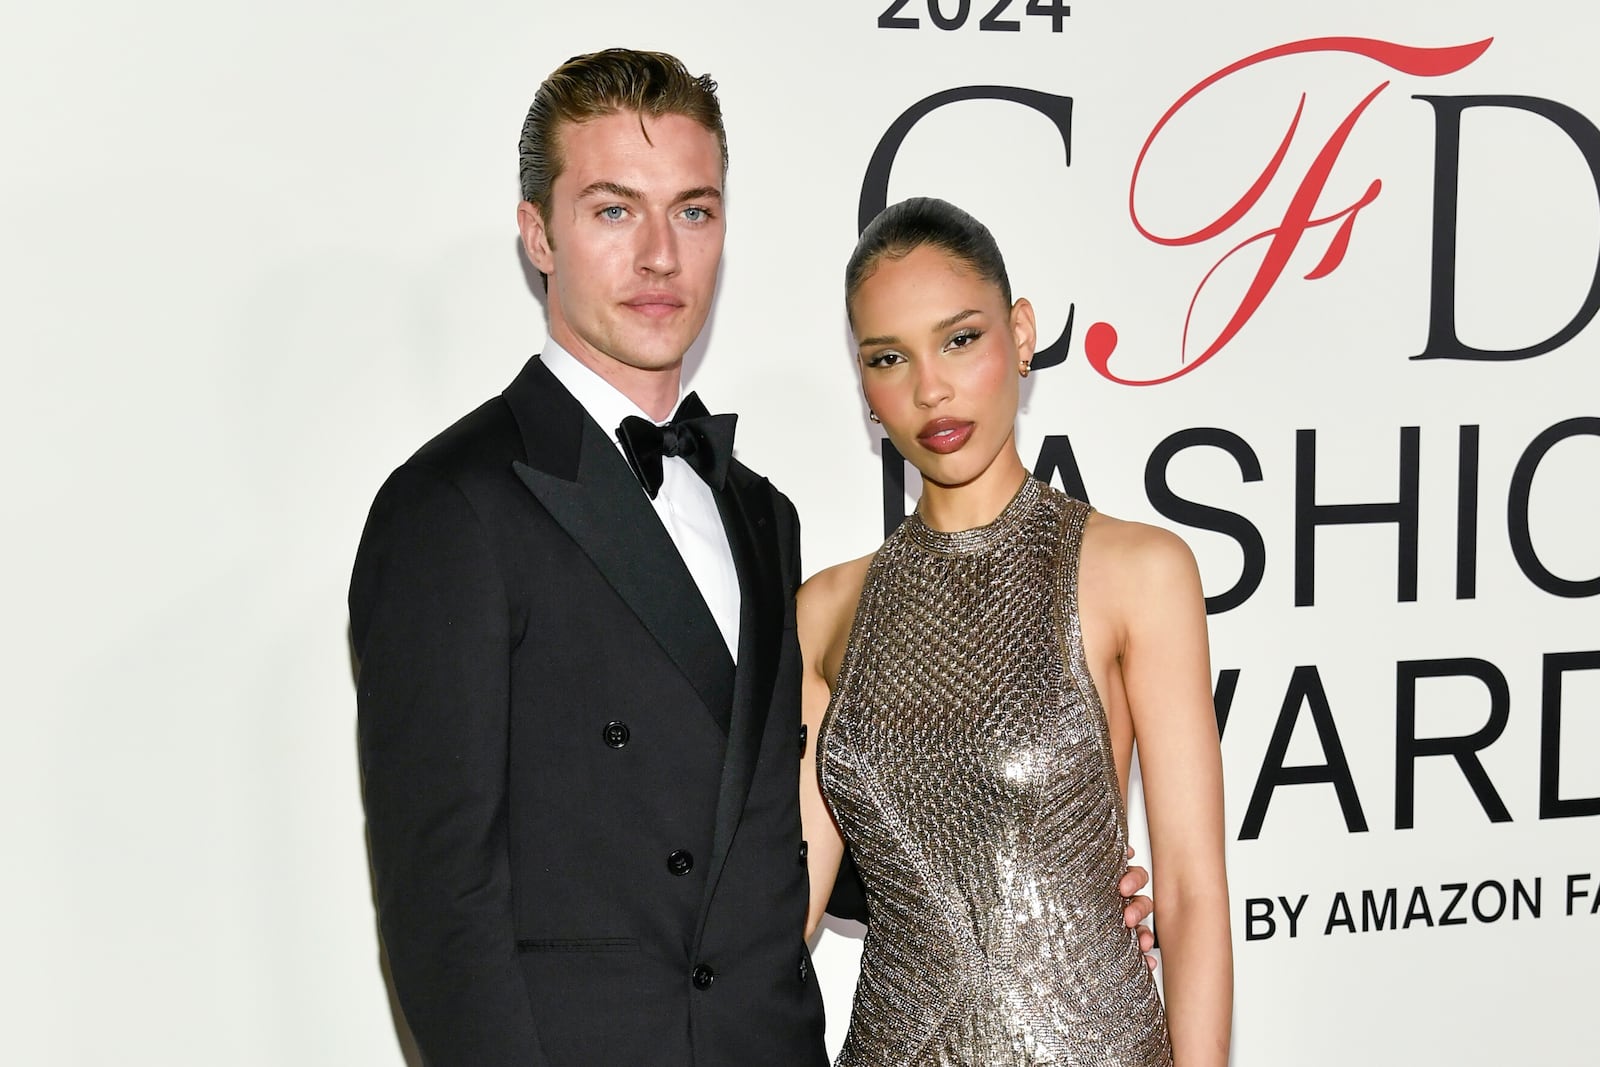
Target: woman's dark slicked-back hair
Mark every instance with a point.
(925, 220)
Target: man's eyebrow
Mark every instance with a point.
(611, 189)
(624, 192)
(938, 327)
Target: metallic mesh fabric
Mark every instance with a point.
(966, 757)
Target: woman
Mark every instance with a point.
(976, 687)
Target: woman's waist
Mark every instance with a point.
(996, 922)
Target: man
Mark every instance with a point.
(579, 684)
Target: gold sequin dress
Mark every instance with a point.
(966, 757)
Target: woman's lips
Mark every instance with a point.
(944, 435)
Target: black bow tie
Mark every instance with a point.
(704, 440)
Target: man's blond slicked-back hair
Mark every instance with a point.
(604, 83)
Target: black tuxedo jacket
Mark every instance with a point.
(583, 818)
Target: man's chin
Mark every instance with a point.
(657, 355)
(655, 361)
(653, 354)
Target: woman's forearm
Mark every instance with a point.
(1197, 975)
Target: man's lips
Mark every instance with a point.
(945, 435)
(654, 304)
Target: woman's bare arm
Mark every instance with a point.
(824, 609)
(1166, 675)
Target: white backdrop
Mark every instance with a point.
(253, 256)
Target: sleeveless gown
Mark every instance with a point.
(966, 757)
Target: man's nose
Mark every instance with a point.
(658, 246)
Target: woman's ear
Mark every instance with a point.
(1024, 331)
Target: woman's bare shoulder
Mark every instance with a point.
(829, 596)
(1135, 556)
(825, 610)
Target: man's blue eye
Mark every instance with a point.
(613, 212)
(695, 214)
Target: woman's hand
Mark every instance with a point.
(1138, 909)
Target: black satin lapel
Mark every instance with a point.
(754, 504)
(752, 534)
(610, 518)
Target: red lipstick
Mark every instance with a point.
(945, 435)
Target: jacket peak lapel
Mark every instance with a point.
(580, 478)
(747, 515)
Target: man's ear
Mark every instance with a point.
(1024, 331)
(535, 237)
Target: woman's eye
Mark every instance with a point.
(965, 338)
(884, 359)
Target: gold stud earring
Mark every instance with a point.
(1023, 366)
(873, 415)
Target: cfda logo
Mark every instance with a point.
(1260, 254)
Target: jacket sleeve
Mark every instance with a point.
(848, 899)
(429, 628)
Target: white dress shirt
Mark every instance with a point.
(686, 505)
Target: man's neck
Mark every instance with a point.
(655, 392)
